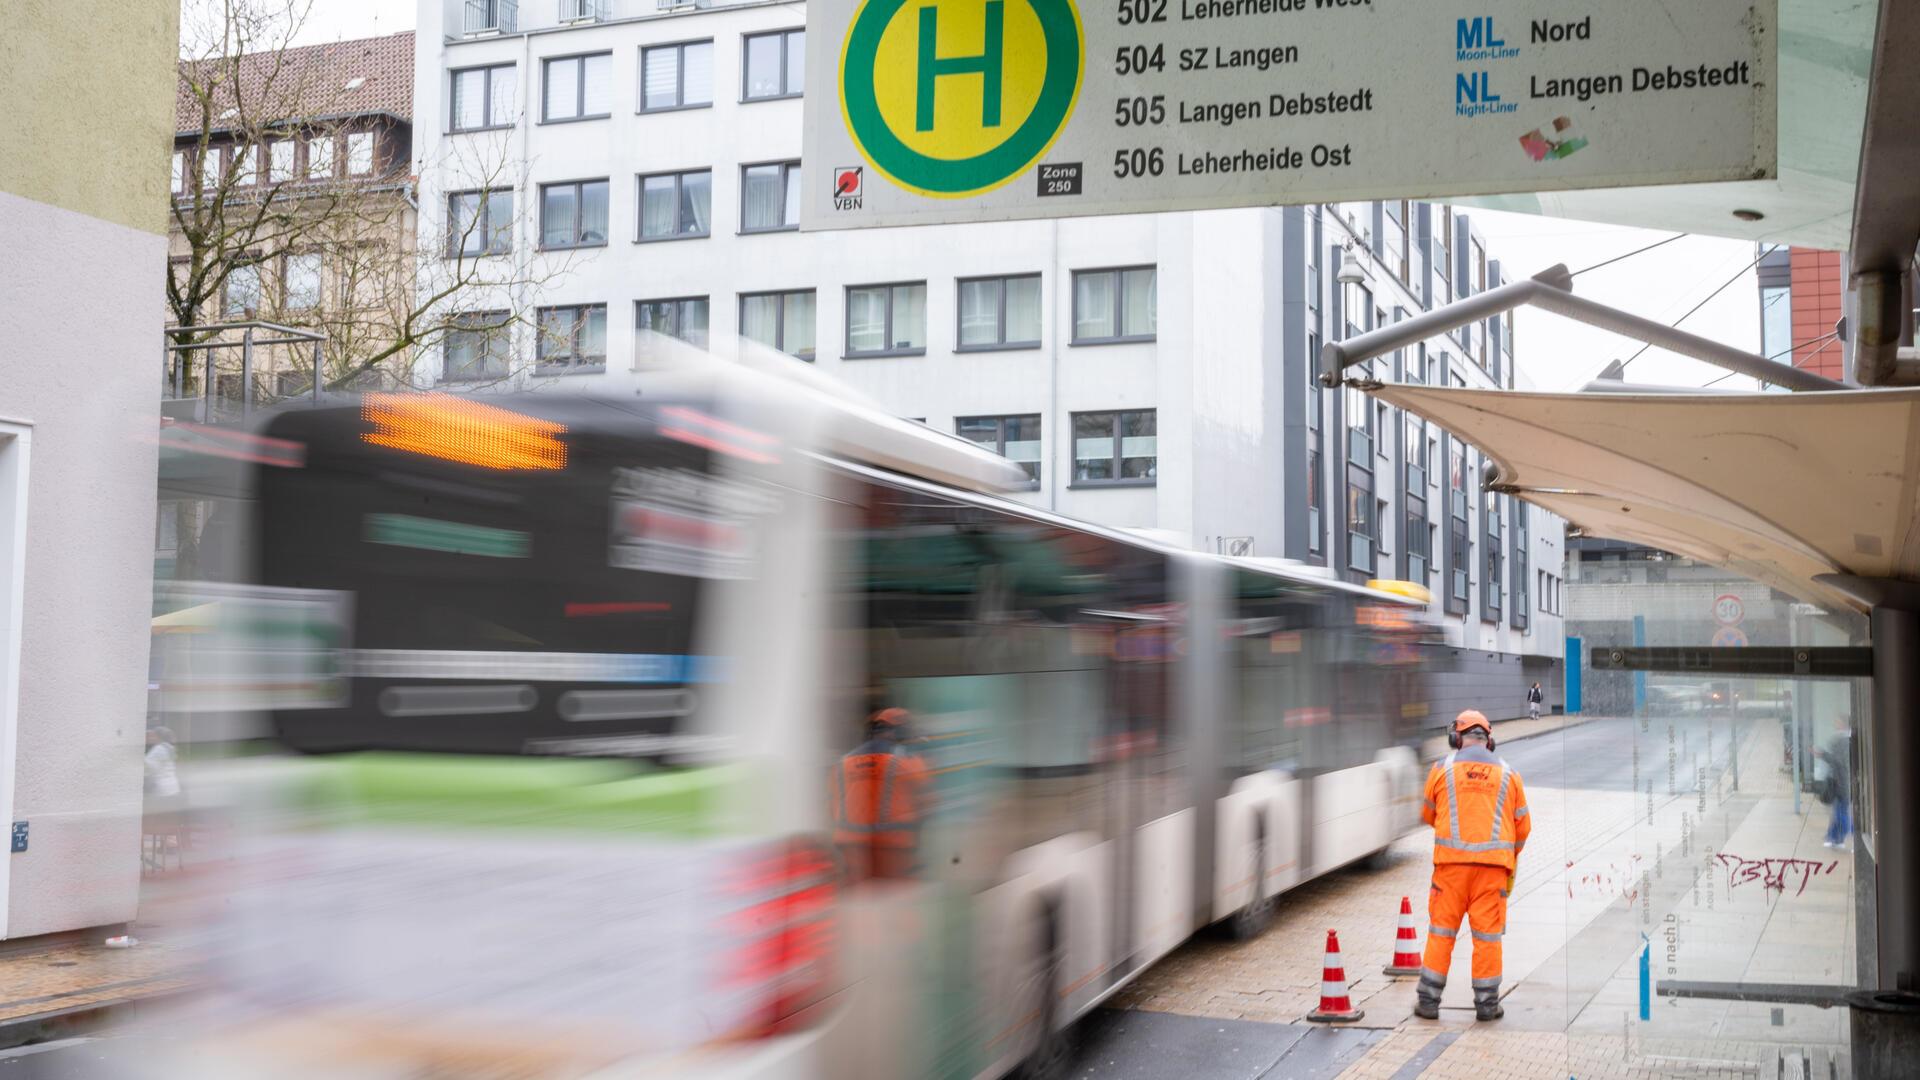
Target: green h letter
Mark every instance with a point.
(987, 65)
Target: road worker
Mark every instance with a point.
(1478, 811)
(879, 795)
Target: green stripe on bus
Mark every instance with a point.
(405, 530)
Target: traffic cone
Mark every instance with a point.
(1335, 1006)
(1406, 944)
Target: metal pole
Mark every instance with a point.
(206, 387)
(1593, 313)
(246, 375)
(316, 374)
(1337, 356)
(1549, 290)
(1895, 769)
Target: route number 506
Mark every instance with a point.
(1138, 162)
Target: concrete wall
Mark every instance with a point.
(83, 179)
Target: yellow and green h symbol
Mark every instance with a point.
(987, 65)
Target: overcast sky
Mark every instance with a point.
(1555, 352)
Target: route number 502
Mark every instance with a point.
(1137, 162)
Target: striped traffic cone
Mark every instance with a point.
(1335, 1006)
(1406, 945)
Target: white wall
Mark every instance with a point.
(85, 375)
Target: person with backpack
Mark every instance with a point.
(1837, 788)
(1534, 698)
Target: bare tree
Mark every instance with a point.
(271, 223)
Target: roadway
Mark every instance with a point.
(1608, 800)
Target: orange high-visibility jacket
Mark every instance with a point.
(877, 796)
(1477, 808)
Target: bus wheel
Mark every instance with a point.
(1256, 914)
(1378, 860)
(1052, 1057)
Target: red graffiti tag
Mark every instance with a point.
(1772, 873)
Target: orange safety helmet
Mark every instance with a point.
(890, 718)
(1467, 721)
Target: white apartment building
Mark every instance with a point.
(1151, 371)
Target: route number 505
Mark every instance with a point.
(1138, 111)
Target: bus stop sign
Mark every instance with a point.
(978, 110)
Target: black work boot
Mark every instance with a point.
(1426, 998)
(1486, 1003)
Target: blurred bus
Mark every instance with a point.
(605, 654)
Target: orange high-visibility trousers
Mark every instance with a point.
(1479, 893)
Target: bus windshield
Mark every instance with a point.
(529, 584)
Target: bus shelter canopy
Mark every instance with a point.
(1787, 489)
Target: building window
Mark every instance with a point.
(571, 338)
(320, 158)
(576, 88)
(1360, 521)
(360, 153)
(179, 172)
(1491, 583)
(1360, 431)
(280, 161)
(1115, 447)
(770, 197)
(573, 215)
(480, 222)
(1114, 305)
(1016, 438)
(775, 66)
(477, 345)
(482, 98)
(246, 165)
(782, 320)
(676, 206)
(676, 76)
(1315, 412)
(243, 290)
(887, 320)
(1776, 321)
(1459, 547)
(683, 317)
(1419, 540)
(300, 281)
(999, 312)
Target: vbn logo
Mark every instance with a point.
(956, 97)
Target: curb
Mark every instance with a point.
(75, 1020)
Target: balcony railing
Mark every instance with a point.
(491, 17)
(575, 11)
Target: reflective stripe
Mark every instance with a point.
(1458, 845)
(1430, 977)
(1520, 813)
(1438, 932)
(1487, 984)
(1500, 803)
(1453, 799)
(888, 771)
(1428, 803)
(1490, 938)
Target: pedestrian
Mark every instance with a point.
(879, 794)
(1838, 755)
(162, 776)
(1478, 810)
(1534, 697)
